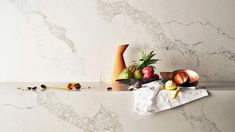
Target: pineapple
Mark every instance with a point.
(145, 60)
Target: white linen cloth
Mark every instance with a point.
(150, 99)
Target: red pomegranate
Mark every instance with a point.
(147, 69)
(148, 76)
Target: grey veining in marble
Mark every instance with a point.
(110, 10)
(99, 110)
(17, 107)
(58, 31)
(218, 29)
(201, 121)
(161, 41)
(103, 119)
(76, 40)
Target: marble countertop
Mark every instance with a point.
(96, 109)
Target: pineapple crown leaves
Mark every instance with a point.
(146, 59)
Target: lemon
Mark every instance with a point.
(170, 85)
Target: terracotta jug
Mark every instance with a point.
(119, 65)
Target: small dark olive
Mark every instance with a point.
(109, 88)
(43, 86)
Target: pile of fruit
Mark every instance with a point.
(141, 69)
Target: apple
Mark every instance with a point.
(147, 69)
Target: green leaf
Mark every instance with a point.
(141, 54)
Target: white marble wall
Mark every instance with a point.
(61, 40)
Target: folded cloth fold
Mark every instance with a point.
(150, 99)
